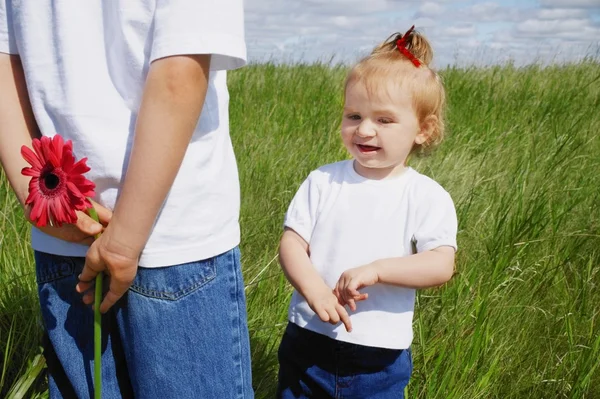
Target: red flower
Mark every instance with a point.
(57, 187)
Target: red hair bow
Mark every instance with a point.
(401, 44)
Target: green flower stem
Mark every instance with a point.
(97, 323)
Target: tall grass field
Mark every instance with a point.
(520, 318)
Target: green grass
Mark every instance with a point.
(521, 317)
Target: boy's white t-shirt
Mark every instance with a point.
(85, 64)
(349, 221)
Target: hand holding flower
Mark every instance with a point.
(82, 231)
(119, 262)
(58, 196)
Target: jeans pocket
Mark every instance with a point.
(174, 282)
(53, 267)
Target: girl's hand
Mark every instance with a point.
(326, 305)
(82, 231)
(346, 289)
(118, 261)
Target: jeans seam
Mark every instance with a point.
(239, 330)
(170, 295)
(173, 296)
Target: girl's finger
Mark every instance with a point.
(361, 297)
(352, 304)
(352, 291)
(323, 315)
(334, 317)
(344, 317)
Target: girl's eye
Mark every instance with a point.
(385, 120)
(353, 117)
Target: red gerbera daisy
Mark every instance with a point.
(57, 187)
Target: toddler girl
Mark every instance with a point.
(361, 235)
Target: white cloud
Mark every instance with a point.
(424, 22)
(487, 12)
(561, 13)
(570, 3)
(430, 9)
(310, 30)
(542, 27)
(465, 30)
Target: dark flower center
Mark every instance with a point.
(51, 181)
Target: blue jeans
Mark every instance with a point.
(312, 365)
(179, 332)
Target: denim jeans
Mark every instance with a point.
(312, 365)
(179, 332)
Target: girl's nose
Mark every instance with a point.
(365, 129)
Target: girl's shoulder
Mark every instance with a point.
(424, 188)
(331, 173)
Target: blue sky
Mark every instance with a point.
(461, 32)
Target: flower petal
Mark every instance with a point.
(80, 167)
(37, 146)
(48, 151)
(31, 157)
(39, 207)
(30, 172)
(68, 161)
(57, 146)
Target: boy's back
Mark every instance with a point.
(86, 66)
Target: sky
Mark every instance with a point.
(461, 32)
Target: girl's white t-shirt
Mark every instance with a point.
(85, 64)
(349, 221)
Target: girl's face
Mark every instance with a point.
(379, 130)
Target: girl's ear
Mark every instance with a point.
(427, 129)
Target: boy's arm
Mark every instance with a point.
(171, 104)
(17, 128)
(298, 269)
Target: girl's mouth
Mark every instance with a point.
(366, 149)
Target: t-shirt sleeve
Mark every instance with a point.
(437, 224)
(302, 212)
(8, 43)
(200, 27)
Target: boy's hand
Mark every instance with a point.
(82, 231)
(326, 305)
(346, 289)
(118, 261)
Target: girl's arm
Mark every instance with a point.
(423, 270)
(171, 104)
(17, 128)
(297, 267)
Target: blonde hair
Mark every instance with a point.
(387, 64)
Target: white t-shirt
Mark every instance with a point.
(349, 221)
(85, 64)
